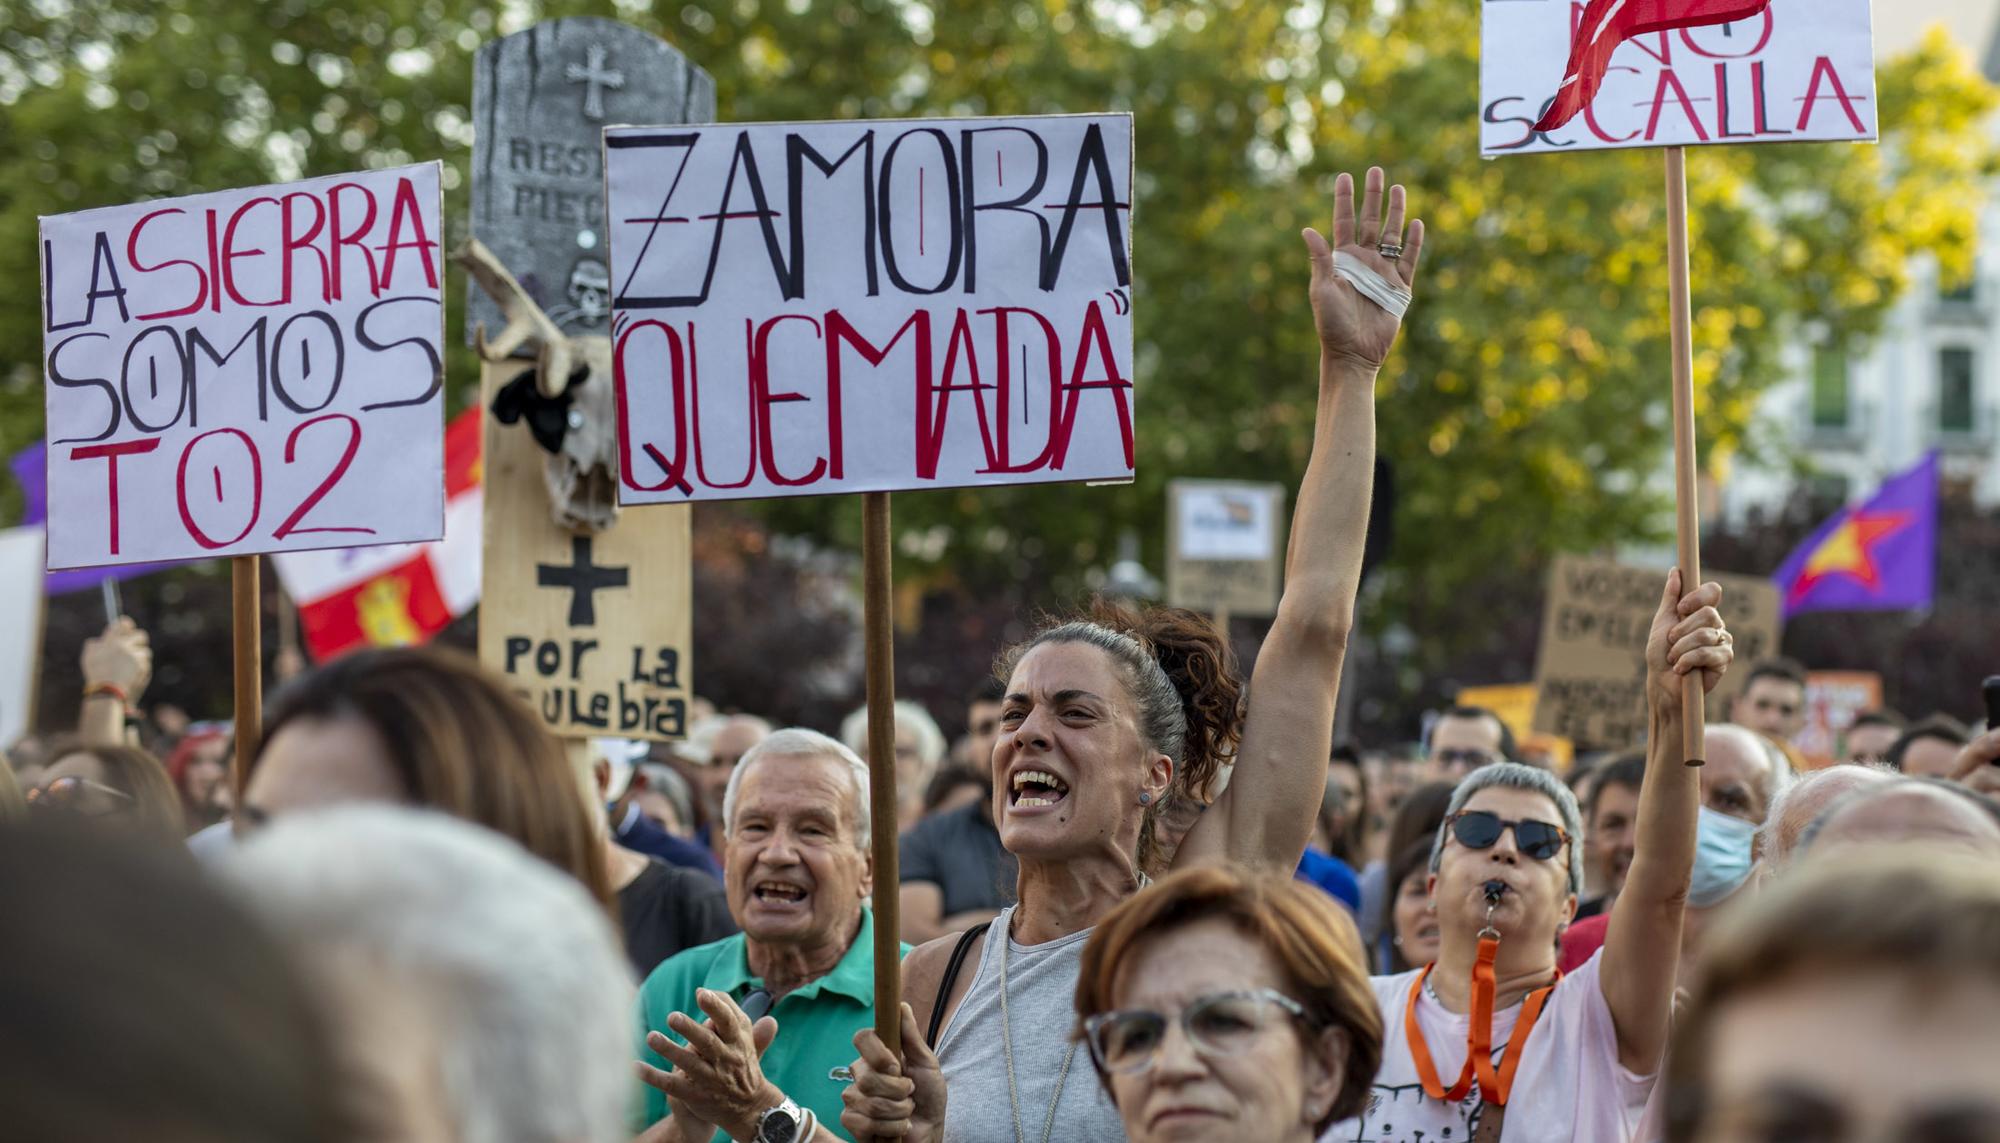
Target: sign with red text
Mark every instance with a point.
(810, 308)
(247, 371)
(1800, 71)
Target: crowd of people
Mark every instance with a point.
(1142, 896)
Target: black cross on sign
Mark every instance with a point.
(583, 579)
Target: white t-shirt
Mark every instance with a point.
(1569, 1085)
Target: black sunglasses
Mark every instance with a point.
(1481, 829)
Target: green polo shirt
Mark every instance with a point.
(816, 1022)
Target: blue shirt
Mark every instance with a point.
(638, 833)
(1333, 875)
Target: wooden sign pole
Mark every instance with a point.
(878, 623)
(1687, 511)
(248, 617)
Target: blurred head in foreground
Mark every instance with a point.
(1859, 1000)
(121, 788)
(1224, 1006)
(140, 1003)
(480, 996)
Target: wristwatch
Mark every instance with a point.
(780, 1124)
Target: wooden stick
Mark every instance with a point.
(878, 623)
(1687, 511)
(246, 603)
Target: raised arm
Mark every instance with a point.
(1642, 943)
(1264, 817)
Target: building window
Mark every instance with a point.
(1829, 388)
(1955, 390)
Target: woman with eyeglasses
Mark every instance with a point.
(1492, 1041)
(121, 786)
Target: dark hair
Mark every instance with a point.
(1419, 817)
(1509, 749)
(143, 1004)
(948, 781)
(1181, 673)
(1627, 770)
(461, 743)
(1411, 858)
(1883, 717)
(1942, 727)
(1353, 838)
(988, 689)
(1784, 670)
(156, 806)
(1310, 938)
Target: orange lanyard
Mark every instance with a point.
(1493, 1087)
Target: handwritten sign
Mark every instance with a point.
(1225, 547)
(595, 630)
(870, 306)
(1803, 71)
(1590, 672)
(21, 635)
(247, 371)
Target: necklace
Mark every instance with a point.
(1007, 1044)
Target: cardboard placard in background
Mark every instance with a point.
(1590, 671)
(1803, 71)
(1225, 546)
(21, 636)
(246, 371)
(871, 306)
(1834, 699)
(595, 631)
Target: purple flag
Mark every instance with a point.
(30, 468)
(1879, 555)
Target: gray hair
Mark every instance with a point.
(1771, 835)
(665, 781)
(700, 745)
(1981, 803)
(798, 742)
(508, 959)
(910, 716)
(1515, 776)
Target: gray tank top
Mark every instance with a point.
(1041, 999)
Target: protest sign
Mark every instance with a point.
(21, 635)
(812, 308)
(1225, 554)
(1834, 699)
(594, 630)
(1798, 71)
(1590, 671)
(247, 371)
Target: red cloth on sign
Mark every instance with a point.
(396, 608)
(1608, 23)
(1581, 941)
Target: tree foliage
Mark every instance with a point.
(1525, 412)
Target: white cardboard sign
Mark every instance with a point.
(810, 308)
(253, 370)
(21, 635)
(1802, 71)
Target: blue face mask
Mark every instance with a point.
(1721, 858)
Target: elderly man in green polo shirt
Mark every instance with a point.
(797, 873)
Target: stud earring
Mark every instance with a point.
(1145, 798)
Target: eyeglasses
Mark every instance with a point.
(1479, 829)
(1220, 1024)
(1470, 759)
(67, 793)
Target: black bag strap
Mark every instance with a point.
(951, 967)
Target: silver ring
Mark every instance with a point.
(1390, 250)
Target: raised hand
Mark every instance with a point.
(1688, 635)
(1351, 326)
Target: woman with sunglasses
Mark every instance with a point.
(122, 786)
(1492, 1042)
